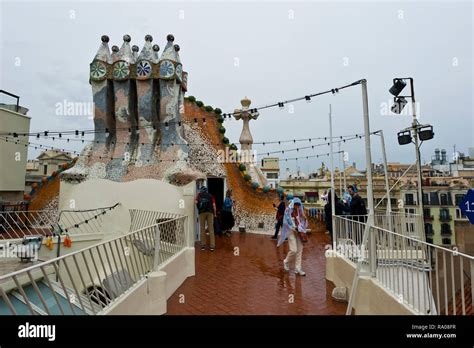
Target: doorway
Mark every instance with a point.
(215, 187)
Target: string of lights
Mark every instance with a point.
(263, 143)
(281, 104)
(83, 132)
(187, 160)
(308, 157)
(310, 147)
(94, 217)
(229, 115)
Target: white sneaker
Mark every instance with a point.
(286, 267)
(300, 272)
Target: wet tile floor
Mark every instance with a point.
(245, 276)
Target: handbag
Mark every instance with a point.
(303, 237)
(301, 231)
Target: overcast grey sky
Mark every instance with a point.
(268, 51)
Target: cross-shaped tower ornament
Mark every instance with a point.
(246, 114)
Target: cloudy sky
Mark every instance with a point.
(267, 51)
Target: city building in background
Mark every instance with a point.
(13, 156)
(44, 165)
(271, 169)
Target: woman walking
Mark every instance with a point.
(294, 224)
(227, 213)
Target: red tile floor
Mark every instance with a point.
(245, 276)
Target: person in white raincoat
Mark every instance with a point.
(294, 221)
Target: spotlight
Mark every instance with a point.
(404, 137)
(397, 88)
(398, 105)
(426, 133)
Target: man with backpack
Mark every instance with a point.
(206, 206)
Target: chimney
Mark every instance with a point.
(437, 158)
(443, 156)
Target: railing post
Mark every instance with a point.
(372, 251)
(472, 284)
(156, 260)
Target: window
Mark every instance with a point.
(427, 212)
(446, 199)
(272, 175)
(447, 241)
(45, 169)
(410, 210)
(445, 229)
(429, 229)
(426, 201)
(409, 199)
(459, 214)
(429, 240)
(444, 215)
(458, 198)
(434, 199)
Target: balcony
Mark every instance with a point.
(444, 217)
(428, 217)
(429, 232)
(447, 233)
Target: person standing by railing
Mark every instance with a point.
(294, 223)
(357, 204)
(338, 207)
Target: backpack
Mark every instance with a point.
(227, 204)
(204, 204)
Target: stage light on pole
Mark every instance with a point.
(426, 133)
(397, 88)
(404, 137)
(398, 105)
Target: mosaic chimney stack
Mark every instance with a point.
(139, 100)
(102, 92)
(171, 98)
(148, 101)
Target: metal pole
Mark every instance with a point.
(385, 168)
(157, 256)
(340, 173)
(333, 200)
(367, 237)
(344, 170)
(417, 146)
(368, 163)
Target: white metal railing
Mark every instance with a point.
(88, 281)
(18, 224)
(427, 278)
(142, 218)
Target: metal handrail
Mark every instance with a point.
(429, 278)
(97, 275)
(17, 224)
(407, 237)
